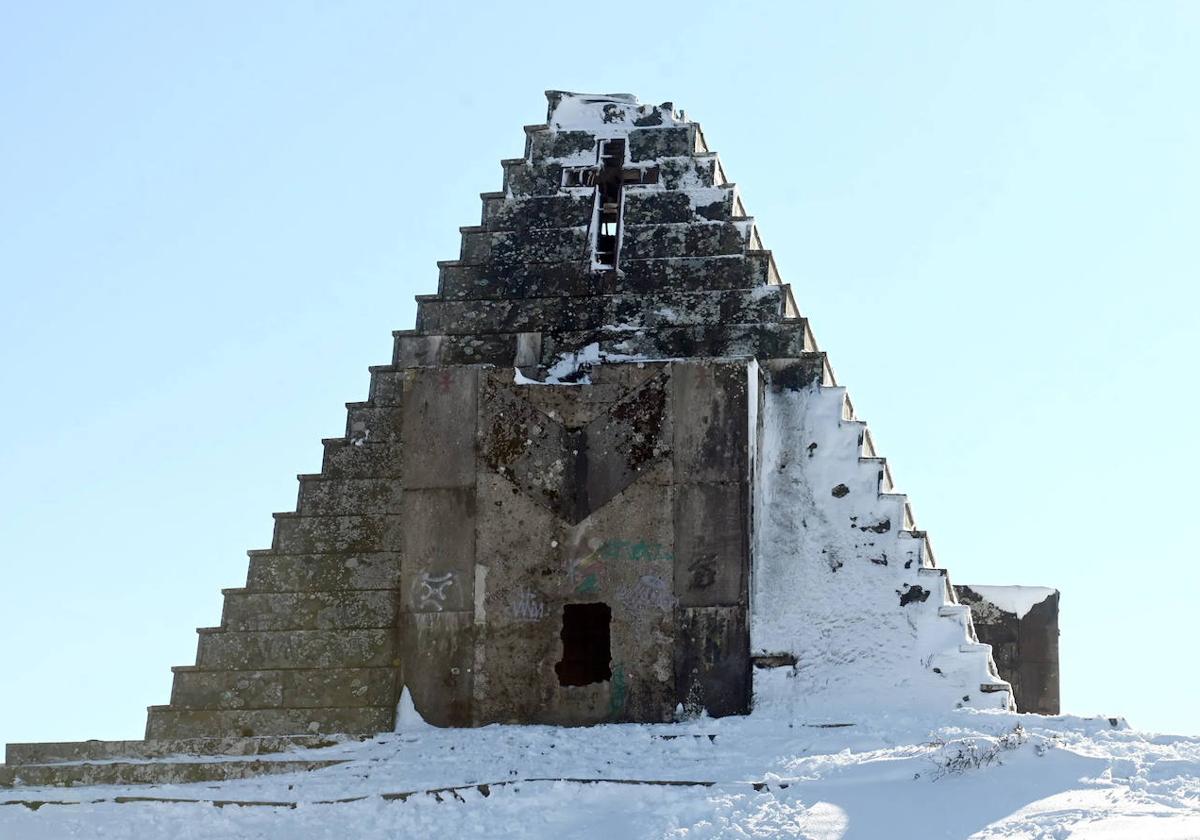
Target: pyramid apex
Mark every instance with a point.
(567, 110)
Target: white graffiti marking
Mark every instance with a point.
(649, 591)
(430, 590)
(525, 606)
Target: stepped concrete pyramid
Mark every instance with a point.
(609, 477)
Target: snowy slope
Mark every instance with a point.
(960, 774)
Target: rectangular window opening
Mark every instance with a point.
(587, 655)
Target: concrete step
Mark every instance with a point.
(195, 688)
(387, 386)
(975, 647)
(626, 312)
(761, 340)
(360, 457)
(220, 650)
(322, 495)
(59, 752)
(159, 772)
(953, 611)
(167, 722)
(367, 421)
(690, 239)
(460, 281)
(272, 571)
(245, 610)
(297, 534)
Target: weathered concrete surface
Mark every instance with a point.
(583, 494)
(1025, 646)
(65, 752)
(157, 773)
(166, 722)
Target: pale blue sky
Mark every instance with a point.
(213, 214)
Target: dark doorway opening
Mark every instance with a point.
(585, 638)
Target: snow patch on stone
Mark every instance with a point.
(408, 719)
(604, 112)
(1015, 599)
(838, 583)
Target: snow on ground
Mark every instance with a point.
(961, 774)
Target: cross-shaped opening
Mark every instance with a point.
(608, 177)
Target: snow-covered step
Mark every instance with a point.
(179, 770)
(975, 647)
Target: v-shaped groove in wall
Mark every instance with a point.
(574, 471)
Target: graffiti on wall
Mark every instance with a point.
(587, 575)
(524, 605)
(429, 591)
(649, 591)
(703, 571)
(619, 692)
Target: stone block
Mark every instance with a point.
(387, 386)
(156, 773)
(296, 534)
(637, 276)
(421, 351)
(525, 179)
(575, 148)
(439, 411)
(437, 649)
(369, 423)
(712, 432)
(653, 242)
(683, 173)
(94, 750)
(321, 496)
(438, 549)
(269, 650)
(345, 609)
(656, 207)
(458, 281)
(549, 211)
(360, 459)
(1035, 686)
(712, 562)
(293, 689)
(271, 572)
(648, 144)
(694, 272)
(539, 245)
(201, 723)
(794, 374)
(787, 339)
(623, 312)
(712, 660)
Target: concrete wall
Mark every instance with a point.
(1021, 625)
(631, 491)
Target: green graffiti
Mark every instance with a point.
(620, 691)
(586, 575)
(636, 551)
